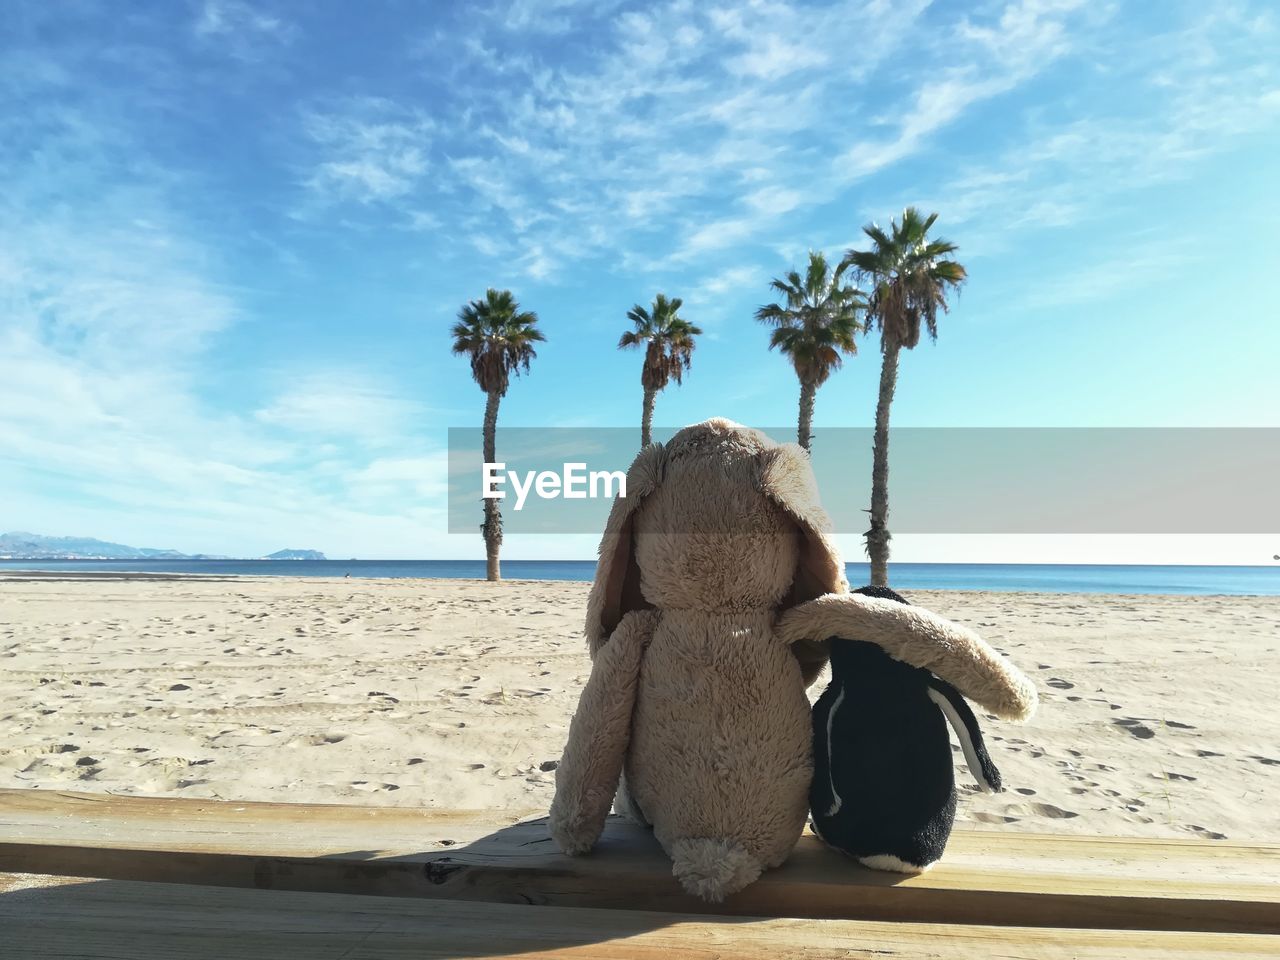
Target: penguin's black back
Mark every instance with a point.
(884, 780)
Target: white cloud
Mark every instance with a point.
(114, 300)
(1213, 91)
(1028, 36)
(243, 28)
(1113, 271)
(489, 246)
(1028, 33)
(770, 58)
(756, 112)
(547, 16)
(420, 479)
(336, 404)
(370, 150)
(708, 295)
(715, 236)
(937, 103)
(669, 107)
(774, 199)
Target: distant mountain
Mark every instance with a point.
(20, 545)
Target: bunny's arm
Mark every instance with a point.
(587, 777)
(920, 638)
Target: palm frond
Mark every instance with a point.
(909, 277)
(497, 337)
(817, 323)
(668, 338)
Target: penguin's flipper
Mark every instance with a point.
(956, 709)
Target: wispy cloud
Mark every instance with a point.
(243, 29)
(734, 278)
(1206, 88)
(992, 59)
(369, 150)
(760, 110)
(1125, 266)
(341, 405)
(668, 107)
(115, 419)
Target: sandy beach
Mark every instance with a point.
(1157, 718)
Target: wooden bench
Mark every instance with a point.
(449, 883)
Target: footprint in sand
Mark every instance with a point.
(368, 787)
(1135, 728)
(1265, 761)
(29, 757)
(1175, 776)
(1060, 684)
(321, 739)
(1041, 810)
(983, 817)
(1204, 832)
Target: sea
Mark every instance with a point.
(1024, 577)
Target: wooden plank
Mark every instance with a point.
(155, 921)
(987, 878)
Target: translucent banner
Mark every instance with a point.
(941, 480)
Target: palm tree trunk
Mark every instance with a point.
(805, 428)
(492, 526)
(646, 422)
(878, 536)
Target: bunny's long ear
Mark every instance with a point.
(616, 589)
(786, 478)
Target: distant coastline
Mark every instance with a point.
(21, 545)
(1183, 580)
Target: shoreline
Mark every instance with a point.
(106, 576)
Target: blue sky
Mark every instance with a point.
(234, 234)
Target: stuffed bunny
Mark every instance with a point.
(714, 596)
(883, 782)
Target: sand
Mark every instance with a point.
(1158, 714)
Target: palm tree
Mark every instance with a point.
(910, 276)
(498, 338)
(668, 341)
(817, 323)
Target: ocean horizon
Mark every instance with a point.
(1184, 580)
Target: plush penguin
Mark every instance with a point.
(883, 781)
